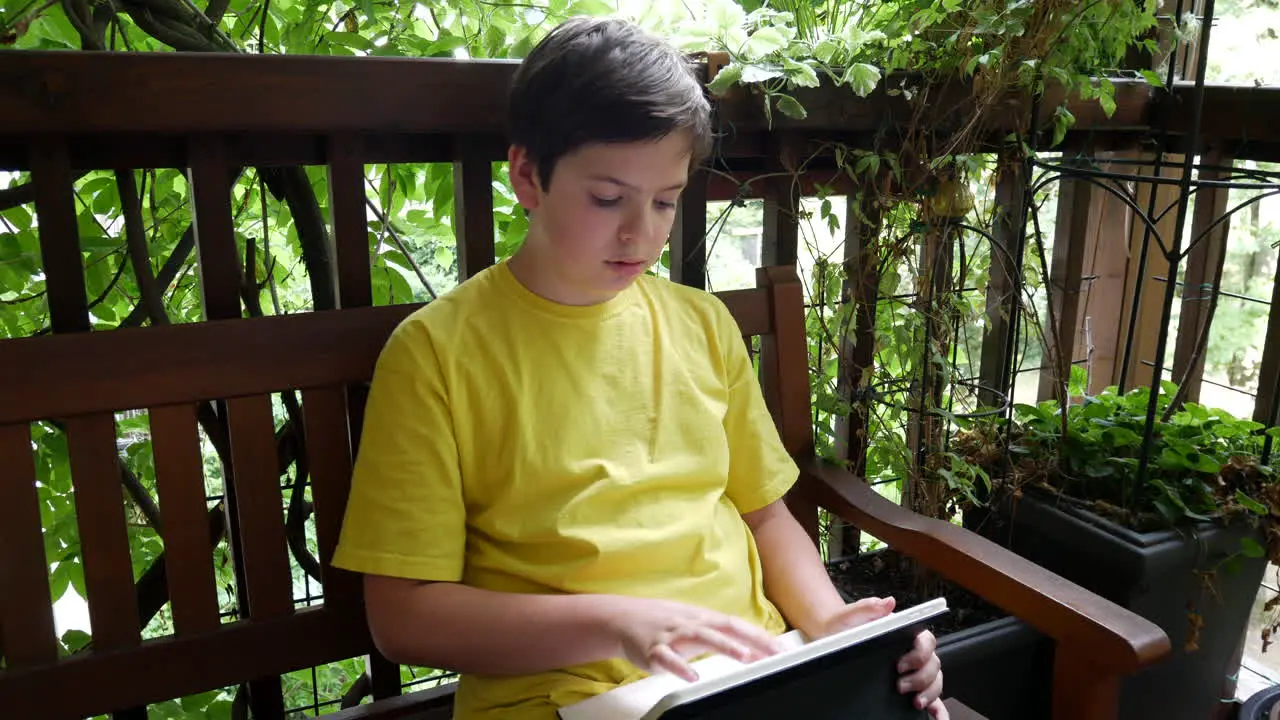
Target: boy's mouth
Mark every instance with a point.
(628, 266)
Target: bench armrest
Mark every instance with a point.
(1120, 641)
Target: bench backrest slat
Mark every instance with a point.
(329, 452)
(473, 206)
(210, 179)
(189, 571)
(191, 361)
(26, 616)
(104, 538)
(255, 499)
(350, 226)
(59, 235)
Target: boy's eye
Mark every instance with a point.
(605, 202)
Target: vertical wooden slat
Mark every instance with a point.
(994, 371)
(257, 507)
(689, 234)
(1202, 279)
(784, 366)
(1139, 334)
(350, 221)
(59, 236)
(329, 457)
(861, 288)
(26, 612)
(781, 222)
(1106, 263)
(1266, 408)
(179, 481)
(104, 540)
(260, 508)
(210, 179)
(1071, 236)
(857, 351)
(473, 207)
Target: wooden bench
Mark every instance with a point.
(220, 375)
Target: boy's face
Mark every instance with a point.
(603, 221)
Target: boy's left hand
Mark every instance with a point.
(920, 669)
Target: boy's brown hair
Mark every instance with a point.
(604, 80)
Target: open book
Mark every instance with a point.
(851, 674)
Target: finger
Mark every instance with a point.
(860, 612)
(932, 695)
(939, 711)
(752, 636)
(662, 657)
(925, 645)
(921, 679)
(696, 640)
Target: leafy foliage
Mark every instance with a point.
(1204, 464)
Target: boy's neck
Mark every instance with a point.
(537, 274)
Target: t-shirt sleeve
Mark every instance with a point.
(760, 468)
(405, 515)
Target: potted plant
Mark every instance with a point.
(1181, 536)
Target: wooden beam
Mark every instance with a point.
(1002, 288)
(1143, 298)
(1203, 279)
(1071, 237)
(689, 234)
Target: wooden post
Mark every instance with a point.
(1002, 288)
(857, 348)
(689, 234)
(1203, 279)
(1071, 236)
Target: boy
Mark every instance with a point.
(548, 564)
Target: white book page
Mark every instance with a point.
(633, 700)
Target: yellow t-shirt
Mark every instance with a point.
(520, 445)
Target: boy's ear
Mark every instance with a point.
(524, 177)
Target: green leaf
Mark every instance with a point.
(18, 217)
(725, 15)
(826, 50)
(197, 703)
(855, 37)
(726, 78)
(444, 256)
(800, 73)
(863, 78)
(1250, 503)
(764, 41)
(868, 165)
(790, 107)
(59, 581)
(1107, 97)
(445, 45)
(1252, 548)
(74, 639)
(756, 73)
(1153, 78)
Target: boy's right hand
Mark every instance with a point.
(661, 635)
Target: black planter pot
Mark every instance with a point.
(1002, 669)
(1259, 705)
(1160, 576)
